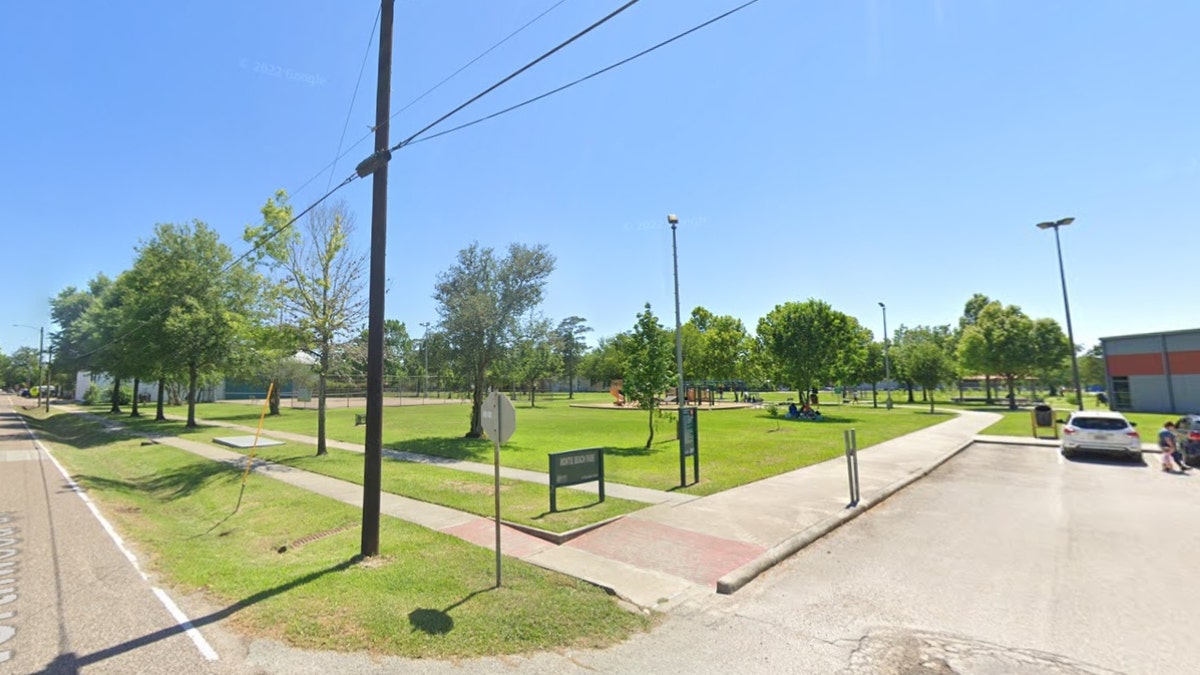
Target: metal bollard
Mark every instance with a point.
(852, 465)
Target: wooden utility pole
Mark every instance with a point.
(373, 455)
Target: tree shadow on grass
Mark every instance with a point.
(632, 451)
(438, 621)
(168, 486)
(471, 449)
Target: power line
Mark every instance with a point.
(259, 244)
(518, 71)
(427, 92)
(353, 97)
(586, 77)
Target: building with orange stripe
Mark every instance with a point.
(1154, 372)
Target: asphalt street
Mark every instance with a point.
(1008, 559)
(71, 600)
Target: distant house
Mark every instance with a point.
(1154, 372)
(147, 390)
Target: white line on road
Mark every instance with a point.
(183, 621)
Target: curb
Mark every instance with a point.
(559, 538)
(743, 575)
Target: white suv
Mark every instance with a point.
(1101, 431)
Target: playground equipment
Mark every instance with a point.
(618, 392)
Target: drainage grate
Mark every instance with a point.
(315, 536)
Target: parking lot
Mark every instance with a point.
(1008, 559)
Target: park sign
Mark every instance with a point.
(689, 444)
(499, 418)
(574, 467)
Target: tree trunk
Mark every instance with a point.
(273, 399)
(193, 376)
(321, 449)
(911, 399)
(651, 439)
(159, 416)
(570, 385)
(874, 396)
(476, 430)
(1012, 393)
(987, 389)
(116, 397)
(133, 410)
(532, 394)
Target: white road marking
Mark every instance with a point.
(183, 621)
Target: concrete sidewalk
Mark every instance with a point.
(681, 546)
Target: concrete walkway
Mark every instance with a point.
(681, 545)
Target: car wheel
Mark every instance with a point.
(1136, 458)
(1068, 454)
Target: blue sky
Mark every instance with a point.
(856, 152)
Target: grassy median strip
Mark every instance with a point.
(521, 501)
(736, 446)
(427, 595)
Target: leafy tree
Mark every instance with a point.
(606, 362)
(649, 365)
(322, 281)
(535, 355)
(852, 354)
(942, 336)
(195, 300)
(1001, 342)
(970, 316)
(480, 300)
(22, 367)
(929, 364)
(804, 342)
(570, 347)
(68, 309)
(715, 347)
(1051, 353)
(1091, 367)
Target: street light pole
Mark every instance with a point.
(887, 363)
(680, 394)
(1066, 302)
(425, 349)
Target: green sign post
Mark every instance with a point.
(574, 467)
(689, 444)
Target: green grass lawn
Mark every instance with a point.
(736, 446)
(427, 595)
(520, 501)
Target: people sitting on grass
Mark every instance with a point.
(804, 412)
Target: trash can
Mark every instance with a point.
(1043, 415)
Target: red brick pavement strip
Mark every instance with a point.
(700, 558)
(482, 532)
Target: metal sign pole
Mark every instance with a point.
(496, 460)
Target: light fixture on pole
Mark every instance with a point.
(887, 363)
(41, 342)
(425, 349)
(1066, 303)
(680, 393)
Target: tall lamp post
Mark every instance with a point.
(887, 362)
(425, 349)
(1066, 303)
(41, 342)
(680, 394)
